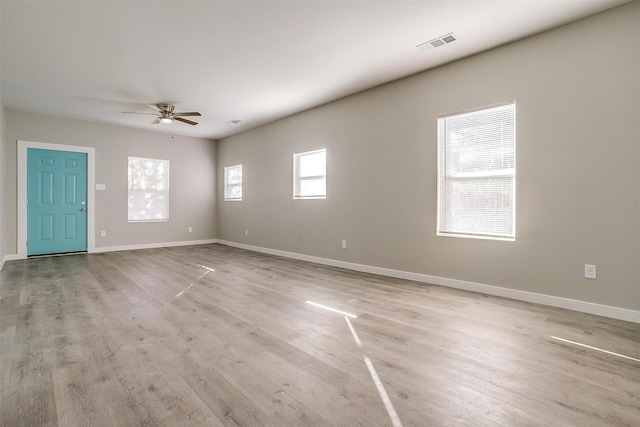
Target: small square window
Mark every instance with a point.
(309, 175)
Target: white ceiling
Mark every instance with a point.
(254, 61)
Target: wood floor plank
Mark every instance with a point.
(28, 397)
(278, 406)
(210, 335)
(159, 390)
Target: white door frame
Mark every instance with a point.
(22, 190)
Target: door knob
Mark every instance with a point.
(83, 209)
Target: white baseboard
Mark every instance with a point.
(8, 258)
(554, 301)
(550, 300)
(127, 248)
(153, 245)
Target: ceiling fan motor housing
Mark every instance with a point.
(168, 108)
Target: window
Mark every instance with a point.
(309, 175)
(148, 189)
(476, 173)
(233, 182)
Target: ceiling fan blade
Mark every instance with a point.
(189, 122)
(156, 121)
(154, 107)
(138, 112)
(189, 113)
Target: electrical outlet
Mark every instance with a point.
(344, 244)
(190, 230)
(246, 232)
(103, 233)
(589, 271)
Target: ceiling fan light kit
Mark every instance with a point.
(166, 114)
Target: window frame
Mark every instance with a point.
(165, 192)
(297, 179)
(228, 185)
(443, 177)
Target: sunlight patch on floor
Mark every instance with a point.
(344, 313)
(179, 294)
(353, 332)
(393, 415)
(595, 348)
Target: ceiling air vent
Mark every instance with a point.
(440, 41)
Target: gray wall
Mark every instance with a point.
(192, 177)
(578, 182)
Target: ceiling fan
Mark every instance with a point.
(166, 114)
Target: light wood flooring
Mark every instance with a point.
(211, 335)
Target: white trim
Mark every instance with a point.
(22, 190)
(154, 245)
(6, 258)
(227, 197)
(476, 109)
(166, 192)
(297, 178)
(549, 300)
(129, 248)
(443, 176)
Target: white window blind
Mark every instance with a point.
(233, 182)
(148, 189)
(476, 173)
(309, 175)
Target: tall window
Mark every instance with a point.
(148, 189)
(477, 172)
(309, 175)
(233, 182)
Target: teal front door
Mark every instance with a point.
(56, 202)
